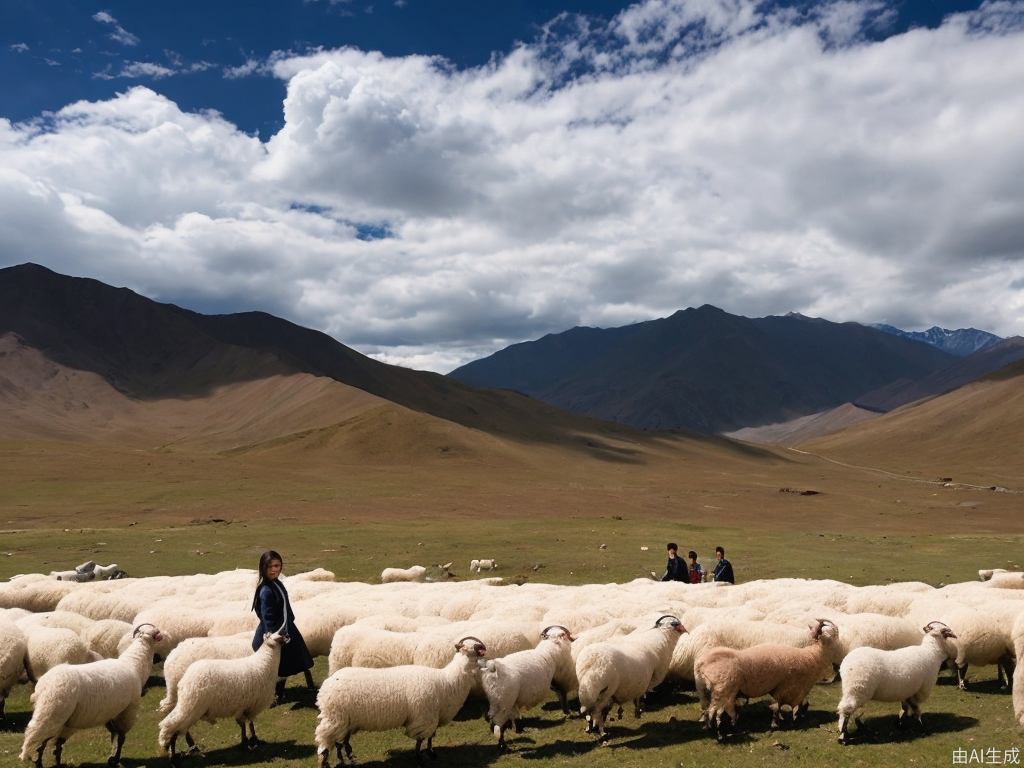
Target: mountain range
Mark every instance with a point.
(961, 342)
(707, 370)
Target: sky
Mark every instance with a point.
(431, 181)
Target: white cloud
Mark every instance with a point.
(686, 153)
(120, 34)
(18, 47)
(145, 69)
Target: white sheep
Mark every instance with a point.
(71, 698)
(212, 689)
(47, 647)
(416, 573)
(785, 673)
(106, 636)
(624, 670)
(483, 565)
(522, 680)
(12, 658)
(906, 675)
(194, 648)
(418, 699)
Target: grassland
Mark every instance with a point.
(567, 550)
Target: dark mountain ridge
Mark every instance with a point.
(705, 369)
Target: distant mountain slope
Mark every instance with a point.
(146, 350)
(706, 370)
(962, 371)
(961, 342)
(805, 428)
(976, 429)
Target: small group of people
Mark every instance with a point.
(693, 572)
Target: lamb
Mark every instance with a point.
(194, 648)
(71, 698)
(785, 673)
(12, 658)
(624, 670)
(418, 699)
(415, 573)
(522, 680)
(905, 675)
(212, 689)
(483, 565)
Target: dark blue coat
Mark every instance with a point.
(723, 571)
(272, 606)
(676, 570)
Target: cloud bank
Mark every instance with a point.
(709, 151)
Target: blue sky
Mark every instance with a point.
(431, 181)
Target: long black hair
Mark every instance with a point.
(265, 560)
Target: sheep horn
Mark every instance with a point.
(666, 616)
(544, 632)
(138, 629)
(470, 637)
(930, 624)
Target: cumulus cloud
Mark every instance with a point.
(18, 47)
(711, 151)
(120, 34)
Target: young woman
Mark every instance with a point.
(275, 613)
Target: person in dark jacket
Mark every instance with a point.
(676, 569)
(275, 613)
(723, 568)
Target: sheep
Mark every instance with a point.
(785, 673)
(522, 680)
(987, 573)
(212, 689)
(48, 647)
(12, 658)
(105, 637)
(415, 573)
(483, 565)
(906, 675)
(418, 699)
(194, 648)
(624, 670)
(728, 633)
(71, 698)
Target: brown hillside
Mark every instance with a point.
(972, 434)
(805, 428)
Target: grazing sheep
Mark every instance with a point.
(12, 658)
(624, 669)
(906, 675)
(483, 565)
(49, 646)
(194, 648)
(521, 681)
(72, 698)
(785, 673)
(212, 689)
(415, 573)
(418, 699)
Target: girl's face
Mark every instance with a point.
(273, 570)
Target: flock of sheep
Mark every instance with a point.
(408, 654)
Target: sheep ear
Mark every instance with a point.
(446, 566)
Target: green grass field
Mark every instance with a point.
(567, 551)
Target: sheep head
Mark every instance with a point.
(668, 620)
(471, 646)
(945, 637)
(148, 631)
(823, 629)
(546, 633)
(274, 639)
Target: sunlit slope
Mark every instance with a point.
(974, 434)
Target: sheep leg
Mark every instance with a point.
(499, 731)
(776, 709)
(419, 755)
(563, 700)
(254, 740)
(348, 749)
(193, 748)
(961, 675)
(1005, 674)
(117, 742)
(39, 754)
(309, 680)
(843, 722)
(430, 748)
(58, 750)
(325, 761)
